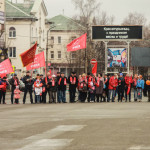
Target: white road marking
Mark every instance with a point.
(56, 131)
(139, 148)
(43, 141)
(48, 144)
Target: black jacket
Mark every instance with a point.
(72, 87)
(121, 84)
(61, 86)
(28, 84)
(12, 82)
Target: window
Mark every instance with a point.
(12, 51)
(73, 38)
(73, 55)
(52, 54)
(52, 39)
(12, 32)
(59, 40)
(59, 54)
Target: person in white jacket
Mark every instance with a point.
(38, 89)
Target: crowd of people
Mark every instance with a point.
(93, 88)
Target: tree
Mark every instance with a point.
(89, 13)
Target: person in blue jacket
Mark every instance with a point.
(140, 87)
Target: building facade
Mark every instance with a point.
(25, 24)
(65, 30)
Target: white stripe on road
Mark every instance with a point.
(56, 131)
(48, 144)
(139, 148)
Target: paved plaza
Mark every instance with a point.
(79, 126)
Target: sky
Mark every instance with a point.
(118, 8)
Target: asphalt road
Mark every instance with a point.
(88, 126)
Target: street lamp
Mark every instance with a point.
(47, 47)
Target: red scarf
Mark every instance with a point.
(65, 82)
(15, 82)
(98, 79)
(53, 82)
(73, 81)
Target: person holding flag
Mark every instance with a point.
(28, 81)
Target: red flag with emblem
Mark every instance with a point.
(39, 61)
(94, 69)
(28, 56)
(5, 68)
(77, 44)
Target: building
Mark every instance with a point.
(64, 31)
(25, 24)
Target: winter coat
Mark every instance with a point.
(38, 87)
(17, 94)
(128, 81)
(73, 83)
(28, 84)
(54, 87)
(83, 85)
(113, 83)
(135, 82)
(5, 84)
(140, 84)
(100, 86)
(121, 84)
(61, 84)
(14, 82)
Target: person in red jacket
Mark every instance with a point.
(113, 83)
(128, 82)
(5, 84)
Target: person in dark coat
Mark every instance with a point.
(99, 87)
(148, 88)
(62, 88)
(73, 82)
(107, 78)
(121, 87)
(43, 98)
(53, 89)
(14, 81)
(28, 81)
(58, 91)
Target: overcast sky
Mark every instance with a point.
(117, 8)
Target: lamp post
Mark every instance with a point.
(47, 48)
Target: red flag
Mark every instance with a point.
(5, 67)
(50, 71)
(94, 69)
(28, 56)
(39, 61)
(77, 44)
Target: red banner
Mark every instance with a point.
(28, 56)
(94, 69)
(77, 44)
(39, 61)
(5, 67)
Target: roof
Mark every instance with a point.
(17, 10)
(64, 23)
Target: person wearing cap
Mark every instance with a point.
(14, 81)
(121, 87)
(62, 88)
(53, 89)
(28, 81)
(140, 87)
(73, 82)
